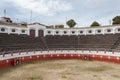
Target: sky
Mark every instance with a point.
(52, 12)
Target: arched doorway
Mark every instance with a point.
(32, 33)
(40, 33)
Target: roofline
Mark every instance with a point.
(88, 27)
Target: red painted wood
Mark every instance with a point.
(97, 57)
(34, 58)
(118, 60)
(91, 57)
(61, 56)
(5, 64)
(113, 59)
(68, 56)
(47, 56)
(27, 59)
(54, 56)
(41, 57)
(10, 62)
(75, 56)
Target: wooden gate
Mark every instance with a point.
(40, 33)
(32, 33)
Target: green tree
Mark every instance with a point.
(116, 20)
(71, 23)
(95, 24)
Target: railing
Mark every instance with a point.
(59, 49)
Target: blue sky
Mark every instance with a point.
(48, 12)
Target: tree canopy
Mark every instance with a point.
(116, 20)
(71, 23)
(95, 24)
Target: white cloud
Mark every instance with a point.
(55, 11)
(44, 7)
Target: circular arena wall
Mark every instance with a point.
(12, 59)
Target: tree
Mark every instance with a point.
(116, 20)
(95, 24)
(71, 23)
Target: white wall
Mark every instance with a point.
(37, 27)
(86, 31)
(18, 30)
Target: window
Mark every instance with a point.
(119, 30)
(57, 32)
(99, 31)
(73, 32)
(23, 31)
(49, 32)
(65, 32)
(108, 30)
(89, 31)
(3, 29)
(81, 32)
(13, 30)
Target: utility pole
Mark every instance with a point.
(4, 12)
(66, 21)
(31, 16)
(110, 22)
(17, 20)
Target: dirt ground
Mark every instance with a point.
(63, 70)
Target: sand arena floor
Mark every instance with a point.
(63, 70)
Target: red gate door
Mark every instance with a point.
(40, 33)
(32, 33)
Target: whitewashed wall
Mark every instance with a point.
(85, 31)
(53, 31)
